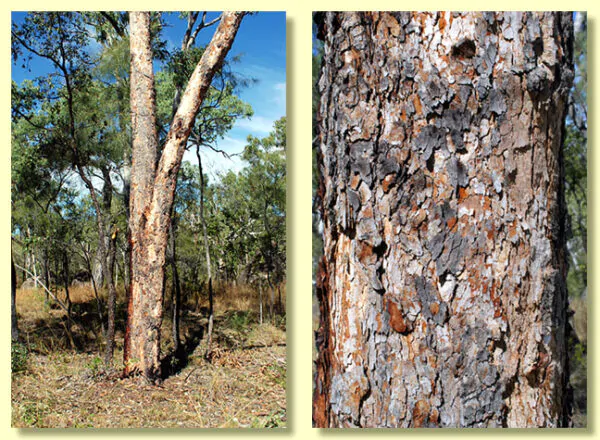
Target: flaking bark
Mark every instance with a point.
(442, 286)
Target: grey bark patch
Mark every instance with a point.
(354, 201)
(429, 139)
(435, 93)
(457, 173)
(456, 120)
(496, 102)
(436, 245)
(387, 166)
(539, 82)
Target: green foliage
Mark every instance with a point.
(244, 212)
(277, 373)
(275, 420)
(575, 162)
(33, 413)
(239, 321)
(575, 154)
(95, 366)
(18, 356)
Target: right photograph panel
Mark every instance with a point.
(450, 219)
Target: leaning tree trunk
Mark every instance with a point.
(153, 184)
(442, 286)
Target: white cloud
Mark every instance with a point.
(214, 163)
(279, 95)
(258, 124)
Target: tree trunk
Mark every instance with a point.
(46, 269)
(14, 329)
(271, 301)
(67, 281)
(175, 292)
(442, 286)
(260, 303)
(280, 308)
(153, 185)
(99, 304)
(207, 256)
(112, 298)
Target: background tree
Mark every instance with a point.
(74, 127)
(443, 282)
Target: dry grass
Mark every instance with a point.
(243, 386)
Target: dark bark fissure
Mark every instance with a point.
(441, 193)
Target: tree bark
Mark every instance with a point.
(153, 186)
(442, 286)
(14, 328)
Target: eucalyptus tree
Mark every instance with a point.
(154, 178)
(265, 177)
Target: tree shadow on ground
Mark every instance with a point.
(176, 361)
(56, 332)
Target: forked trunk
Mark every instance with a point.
(153, 185)
(442, 287)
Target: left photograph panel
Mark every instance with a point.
(148, 219)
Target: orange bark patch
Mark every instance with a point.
(421, 413)
(487, 203)
(442, 22)
(396, 318)
(462, 194)
(434, 308)
(355, 181)
(387, 182)
(365, 251)
(451, 222)
(512, 230)
(417, 104)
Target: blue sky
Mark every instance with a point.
(261, 42)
